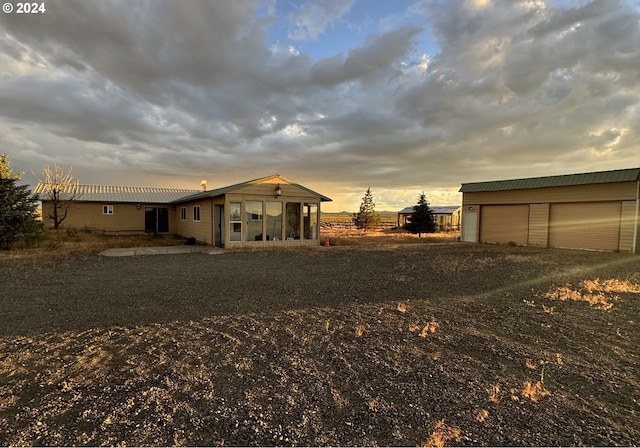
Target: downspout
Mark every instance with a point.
(635, 226)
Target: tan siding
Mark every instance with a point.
(627, 223)
(504, 223)
(539, 225)
(126, 217)
(200, 230)
(593, 225)
(267, 189)
(577, 193)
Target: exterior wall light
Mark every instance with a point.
(278, 191)
(138, 206)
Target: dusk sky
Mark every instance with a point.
(338, 95)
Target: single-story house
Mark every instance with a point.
(262, 212)
(597, 210)
(447, 218)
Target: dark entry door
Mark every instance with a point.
(156, 219)
(163, 220)
(217, 222)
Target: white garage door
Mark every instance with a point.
(504, 223)
(591, 225)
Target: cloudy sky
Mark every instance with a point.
(339, 95)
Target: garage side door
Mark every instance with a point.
(592, 225)
(504, 223)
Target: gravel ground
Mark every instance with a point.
(441, 345)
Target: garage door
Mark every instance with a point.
(504, 223)
(592, 225)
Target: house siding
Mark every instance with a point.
(627, 224)
(126, 216)
(200, 230)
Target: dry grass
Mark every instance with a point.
(534, 391)
(70, 243)
(442, 435)
(347, 237)
(598, 293)
(611, 285)
(495, 394)
(482, 415)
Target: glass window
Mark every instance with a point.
(311, 221)
(183, 213)
(107, 209)
(292, 231)
(274, 220)
(235, 222)
(196, 213)
(253, 220)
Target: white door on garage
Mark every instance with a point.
(590, 225)
(504, 224)
(469, 226)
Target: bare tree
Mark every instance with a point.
(61, 188)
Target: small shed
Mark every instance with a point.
(596, 210)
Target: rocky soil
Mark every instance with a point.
(403, 345)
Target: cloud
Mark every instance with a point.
(197, 89)
(312, 18)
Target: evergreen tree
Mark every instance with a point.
(18, 218)
(366, 219)
(421, 221)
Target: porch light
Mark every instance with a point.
(278, 191)
(138, 206)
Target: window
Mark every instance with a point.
(253, 215)
(107, 209)
(196, 213)
(274, 220)
(235, 222)
(183, 213)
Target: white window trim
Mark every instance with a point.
(194, 213)
(107, 209)
(183, 213)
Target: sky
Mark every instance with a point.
(400, 96)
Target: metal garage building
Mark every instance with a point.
(598, 211)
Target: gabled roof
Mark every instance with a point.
(223, 190)
(112, 193)
(598, 177)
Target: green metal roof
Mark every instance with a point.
(598, 177)
(227, 189)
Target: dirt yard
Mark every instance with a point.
(448, 344)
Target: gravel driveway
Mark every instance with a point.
(455, 344)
